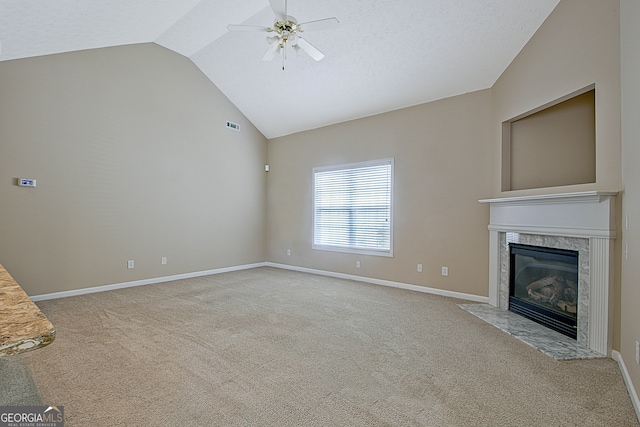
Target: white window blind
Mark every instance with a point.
(353, 208)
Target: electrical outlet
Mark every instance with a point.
(419, 268)
(288, 251)
(637, 353)
(130, 264)
(357, 264)
(445, 271)
(163, 261)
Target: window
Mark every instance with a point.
(352, 208)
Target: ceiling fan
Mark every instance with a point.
(286, 30)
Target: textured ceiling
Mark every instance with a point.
(386, 54)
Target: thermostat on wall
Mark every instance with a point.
(26, 182)
(233, 126)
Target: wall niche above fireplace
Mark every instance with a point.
(552, 145)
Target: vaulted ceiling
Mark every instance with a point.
(384, 56)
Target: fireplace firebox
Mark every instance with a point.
(543, 286)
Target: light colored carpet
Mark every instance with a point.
(269, 347)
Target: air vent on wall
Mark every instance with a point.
(233, 126)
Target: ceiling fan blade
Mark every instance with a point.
(233, 27)
(279, 8)
(320, 24)
(310, 49)
(271, 52)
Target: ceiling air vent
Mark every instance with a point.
(233, 126)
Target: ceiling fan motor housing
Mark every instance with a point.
(287, 27)
(286, 31)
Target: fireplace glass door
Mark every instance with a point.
(544, 286)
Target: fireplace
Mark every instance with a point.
(543, 286)
(582, 223)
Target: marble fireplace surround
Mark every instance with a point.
(583, 222)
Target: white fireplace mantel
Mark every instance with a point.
(585, 214)
(589, 215)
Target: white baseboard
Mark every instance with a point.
(627, 380)
(104, 288)
(424, 289)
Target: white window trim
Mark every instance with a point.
(383, 253)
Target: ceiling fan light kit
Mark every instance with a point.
(287, 32)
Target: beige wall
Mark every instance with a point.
(442, 168)
(133, 161)
(553, 147)
(577, 46)
(630, 310)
